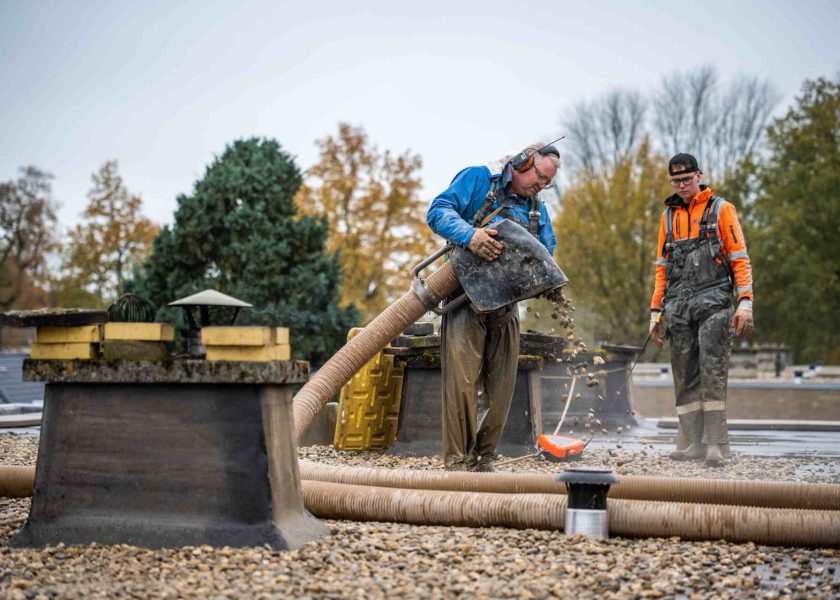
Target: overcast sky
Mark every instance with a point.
(163, 86)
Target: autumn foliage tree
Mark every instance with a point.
(27, 237)
(377, 218)
(104, 248)
(608, 227)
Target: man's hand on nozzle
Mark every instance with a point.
(655, 327)
(483, 244)
(742, 321)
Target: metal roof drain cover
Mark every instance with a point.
(586, 508)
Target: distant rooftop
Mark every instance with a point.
(12, 389)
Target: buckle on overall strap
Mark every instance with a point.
(668, 246)
(709, 220)
(489, 201)
(534, 216)
(534, 221)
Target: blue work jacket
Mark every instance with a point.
(451, 213)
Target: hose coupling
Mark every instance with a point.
(422, 290)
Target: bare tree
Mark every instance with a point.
(690, 112)
(742, 120)
(684, 110)
(604, 131)
(27, 232)
(721, 125)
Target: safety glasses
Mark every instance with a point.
(681, 181)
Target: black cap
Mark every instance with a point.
(682, 163)
(545, 150)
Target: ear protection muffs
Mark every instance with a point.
(525, 159)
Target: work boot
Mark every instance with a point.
(714, 457)
(459, 465)
(692, 452)
(485, 463)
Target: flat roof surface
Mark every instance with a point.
(749, 439)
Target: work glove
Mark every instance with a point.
(483, 244)
(742, 321)
(655, 328)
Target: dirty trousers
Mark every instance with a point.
(479, 359)
(700, 348)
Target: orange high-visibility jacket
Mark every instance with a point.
(687, 225)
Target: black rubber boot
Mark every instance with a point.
(714, 457)
(692, 452)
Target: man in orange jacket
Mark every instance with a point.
(701, 263)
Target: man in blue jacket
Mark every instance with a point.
(480, 352)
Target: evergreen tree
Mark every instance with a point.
(795, 226)
(239, 233)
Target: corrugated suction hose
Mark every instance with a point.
(769, 494)
(434, 507)
(339, 369)
(770, 526)
(16, 482)
(629, 518)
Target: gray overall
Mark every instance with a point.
(698, 306)
(479, 360)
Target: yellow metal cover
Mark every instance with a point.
(369, 405)
(69, 351)
(236, 336)
(63, 335)
(280, 335)
(141, 332)
(244, 336)
(250, 353)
